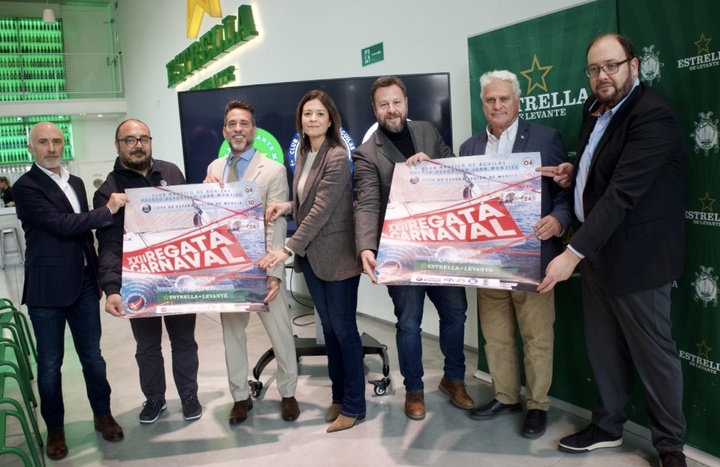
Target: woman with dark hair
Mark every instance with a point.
(324, 249)
(6, 189)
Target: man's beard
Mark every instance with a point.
(138, 165)
(620, 93)
(45, 164)
(398, 128)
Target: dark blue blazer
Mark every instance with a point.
(555, 200)
(634, 197)
(58, 240)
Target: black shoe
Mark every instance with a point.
(493, 409)
(534, 424)
(589, 438)
(673, 459)
(191, 408)
(151, 410)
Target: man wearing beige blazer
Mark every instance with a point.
(246, 164)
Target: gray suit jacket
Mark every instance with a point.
(374, 165)
(271, 179)
(555, 200)
(324, 214)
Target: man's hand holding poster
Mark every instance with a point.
(465, 221)
(193, 248)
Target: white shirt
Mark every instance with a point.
(62, 181)
(504, 144)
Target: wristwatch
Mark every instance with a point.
(287, 251)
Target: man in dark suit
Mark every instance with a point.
(499, 309)
(399, 141)
(61, 281)
(628, 184)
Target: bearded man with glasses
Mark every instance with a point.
(629, 189)
(136, 168)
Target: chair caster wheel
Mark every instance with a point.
(256, 388)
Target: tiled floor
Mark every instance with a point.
(446, 437)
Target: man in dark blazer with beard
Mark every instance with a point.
(61, 281)
(628, 184)
(399, 141)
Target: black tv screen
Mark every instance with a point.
(201, 115)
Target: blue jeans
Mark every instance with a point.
(83, 317)
(451, 304)
(336, 304)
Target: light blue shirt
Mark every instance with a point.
(587, 155)
(243, 161)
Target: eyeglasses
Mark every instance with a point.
(608, 68)
(244, 124)
(132, 141)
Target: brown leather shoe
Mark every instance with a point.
(56, 447)
(457, 392)
(290, 409)
(110, 429)
(415, 405)
(238, 414)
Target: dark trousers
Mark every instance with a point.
(336, 304)
(149, 357)
(629, 331)
(83, 318)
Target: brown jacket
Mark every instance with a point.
(326, 233)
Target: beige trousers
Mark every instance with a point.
(535, 315)
(279, 328)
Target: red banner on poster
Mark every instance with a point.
(469, 221)
(197, 251)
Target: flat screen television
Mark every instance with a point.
(201, 115)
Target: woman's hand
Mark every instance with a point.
(276, 210)
(272, 259)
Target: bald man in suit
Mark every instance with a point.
(61, 281)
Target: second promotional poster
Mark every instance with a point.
(465, 221)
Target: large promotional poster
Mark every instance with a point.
(463, 221)
(193, 249)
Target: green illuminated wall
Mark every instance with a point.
(31, 68)
(13, 137)
(31, 60)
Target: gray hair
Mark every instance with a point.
(500, 75)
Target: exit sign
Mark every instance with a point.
(373, 54)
